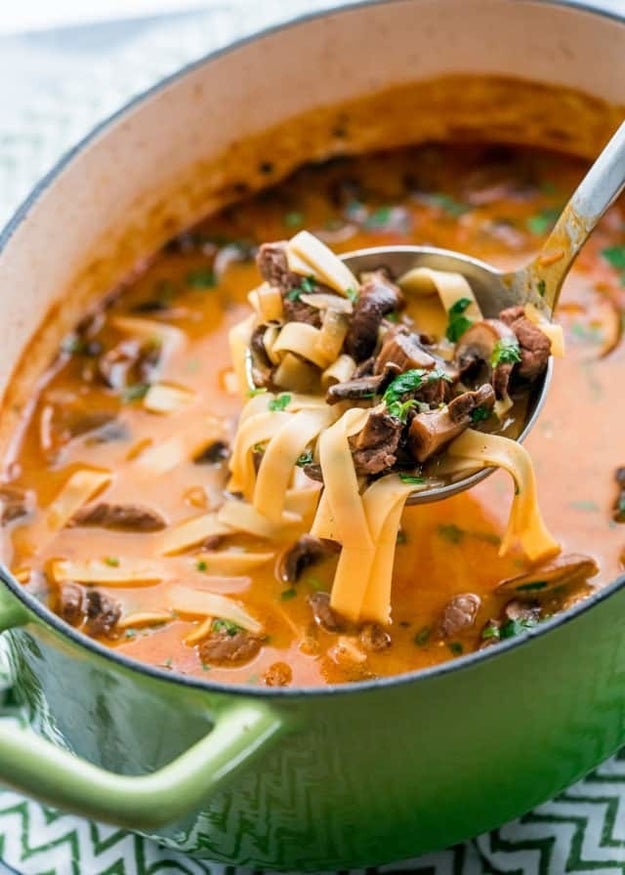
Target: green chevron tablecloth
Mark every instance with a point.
(53, 88)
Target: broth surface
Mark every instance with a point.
(494, 203)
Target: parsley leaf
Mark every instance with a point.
(294, 220)
(279, 403)
(411, 478)
(506, 352)
(113, 561)
(201, 565)
(257, 390)
(422, 637)
(288, 594)
(307, 286)
(490, 630)
(451, 532)
(305, 459)
(135, 392)
(447, 203)
(399, 409)
(479, 414)
(410, 381)
(543, 221)
(458, 322)
(201, 278)
(615, 255)
(516, 627)
(226, 626)
(352, 294)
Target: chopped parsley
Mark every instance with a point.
(305, 459)
(130, 633)
(294, 220)
(479, 414)
(352, 294)
(201, 565)
(288, 594)
(531, 586)
(402, 537)
(451, 532)
(505, 352)
(280, 403)
(307, 286)
(615, 255)
(113, 561)
(400, 409)
(135, 392)
(456, 647)
(201, 278)
(491, 630)
(458, 322)
(447, 204)
(516, 627)
(379, 218)
(541, 288)
(410, 381)
(226, 626)
(422, 637)
(257, 390)
(411, 478)
(543, 221)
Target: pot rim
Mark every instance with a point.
(462, 663)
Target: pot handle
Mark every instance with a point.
(32, 765)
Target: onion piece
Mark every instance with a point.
(326, 301)
(199, 603)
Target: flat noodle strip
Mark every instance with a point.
(451, 288)
(161, 458)
(280, 456)
(209, 604)
(341, 483)
(164, 398)
(339, 371)
(144, 618)
(253, 432)
(525, 524)
(305, 340)
(350, 580)
(121, 572)
(191, 532)
(239, 338)
(242, 516)
(77, 491)
(306, 250)
(229, 562)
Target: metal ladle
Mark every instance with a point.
(538, 283)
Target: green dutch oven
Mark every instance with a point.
(326, 778)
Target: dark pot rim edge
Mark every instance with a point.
(117, 659)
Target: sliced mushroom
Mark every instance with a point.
(374, 448)
(378, 296)
(120, 517)
(462, 406)
(224, 646)
(214, 454)
(323, 614)
(459, 614)
(430, 432)
(477, 346)
(362, 388)
(403, 350)
(568, 570)
(305, 552)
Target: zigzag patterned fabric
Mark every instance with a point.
(60, 99)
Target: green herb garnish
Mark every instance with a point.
(505, 352)
(448, 204)
(543, 221)
(130, 633)
(615, 255)
(458, 322)
(135, 392)
(305, 459)
(491, 630)
(456, 647)
(201, 278)
(258, 390)
(411, 381)
(287, 594)
(113, 561)
(451, 532)
(379, 218)
(226, 626)
(422, 637)
(201, 565)
(541, 288)
(516, 627)
(352, 294)
(307, 286)
(294, 220)
(279, 403)
(412, 478)
(400, 409)
(402, 537)
(479, 414)
(532, 585)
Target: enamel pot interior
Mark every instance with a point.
(188, 147)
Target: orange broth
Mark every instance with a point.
(490, 202)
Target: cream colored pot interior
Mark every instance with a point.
(226, 126)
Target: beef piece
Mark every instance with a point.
(213, 454)
(273, 266)
(262, 368)
(403, 350)
(70, 604)
(279, 674)
(462, 406)
(314, 472)
(121, 517)
(459, 614)
(566, 570)
(618, 511)
(128, 363)
(305, 552)
(14, 503)
(221, 647)
(429, 433)
(102, 613)
(374, 449)
(475, 350)
(374, 638)
(378, 296)
(362, 387)
(323, 614)
(535, 346)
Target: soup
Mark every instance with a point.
(148, 464)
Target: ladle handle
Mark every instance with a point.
(597, 191)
